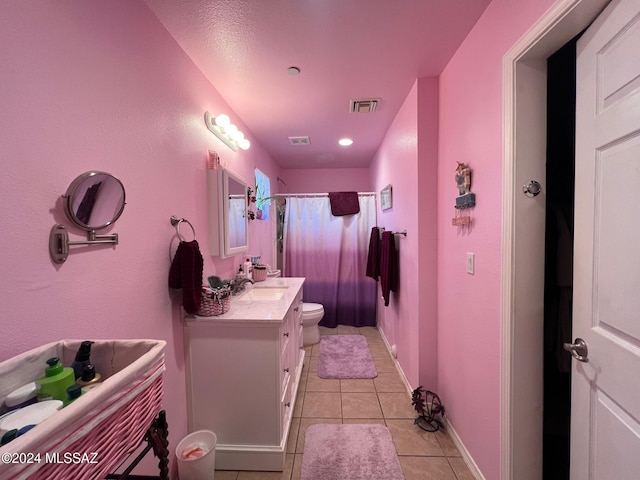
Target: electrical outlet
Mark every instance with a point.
(471, 263)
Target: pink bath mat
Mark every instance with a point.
(349, 452)
(345, 356)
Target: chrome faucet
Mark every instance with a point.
(239, 284)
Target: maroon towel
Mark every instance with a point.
(186, 273)
(388, 265)
(344, 203)
(373, 259)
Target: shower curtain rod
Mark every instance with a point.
(363, 194)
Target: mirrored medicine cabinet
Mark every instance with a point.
(228, 222)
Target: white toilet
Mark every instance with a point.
(312, 313)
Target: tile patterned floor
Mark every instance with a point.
(384, 400)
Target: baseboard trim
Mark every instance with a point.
(466, 456)
(397, 364)
(265, 458)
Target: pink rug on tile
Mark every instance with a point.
(345, 356)
(349, 452)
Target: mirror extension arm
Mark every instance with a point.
(59, 242)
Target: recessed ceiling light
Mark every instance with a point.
(293, 71)
(345, 142)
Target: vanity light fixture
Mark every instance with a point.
(226, 131)
(345, 142)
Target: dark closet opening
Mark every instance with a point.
(560, 187)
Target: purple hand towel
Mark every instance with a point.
(373, 259)
(388, 265)
(186, 273)
(344, 203)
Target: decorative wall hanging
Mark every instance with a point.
(386, 199)
(465, 199)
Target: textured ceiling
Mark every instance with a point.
(345, 49)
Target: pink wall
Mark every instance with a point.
(427, 222)
(469, 305)
(316, 180)
(407, 159)
(455, 323)
(395, 163)
(103, 86)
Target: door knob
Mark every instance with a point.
(578, 349)
(532, 189)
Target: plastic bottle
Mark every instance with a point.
(82, 358)
(56, 380)
(89, 376)
(247, 268)
(9, 436)
(73, 393)
(29, 415)
(23, 396)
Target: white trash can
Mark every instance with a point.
(196, 454)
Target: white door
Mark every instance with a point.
(605, 419)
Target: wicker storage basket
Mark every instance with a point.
(259, 273)
(215, 301)
(109, 421)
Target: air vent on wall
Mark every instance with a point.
(300, 140)
(368, 105)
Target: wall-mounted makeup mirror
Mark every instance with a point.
(93, 201)
(228, 223)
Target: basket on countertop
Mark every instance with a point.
(259, 273)
(215, 301)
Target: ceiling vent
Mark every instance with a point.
(368, 105)
(300, 140)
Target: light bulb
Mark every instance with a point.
(238, 136)
(244, 144)
(345, 142)
(231, 130)
(222, 120)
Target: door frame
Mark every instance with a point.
(524, 75)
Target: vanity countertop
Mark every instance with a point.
(255, 303)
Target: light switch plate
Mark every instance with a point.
(471, 263)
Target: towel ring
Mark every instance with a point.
(175, 221)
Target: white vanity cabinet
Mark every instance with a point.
(243, 371)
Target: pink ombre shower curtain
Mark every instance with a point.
(331, 253)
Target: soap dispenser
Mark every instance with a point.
(82, 358)
(89, 376)
(56, 380)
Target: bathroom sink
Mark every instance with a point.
(263, 294)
